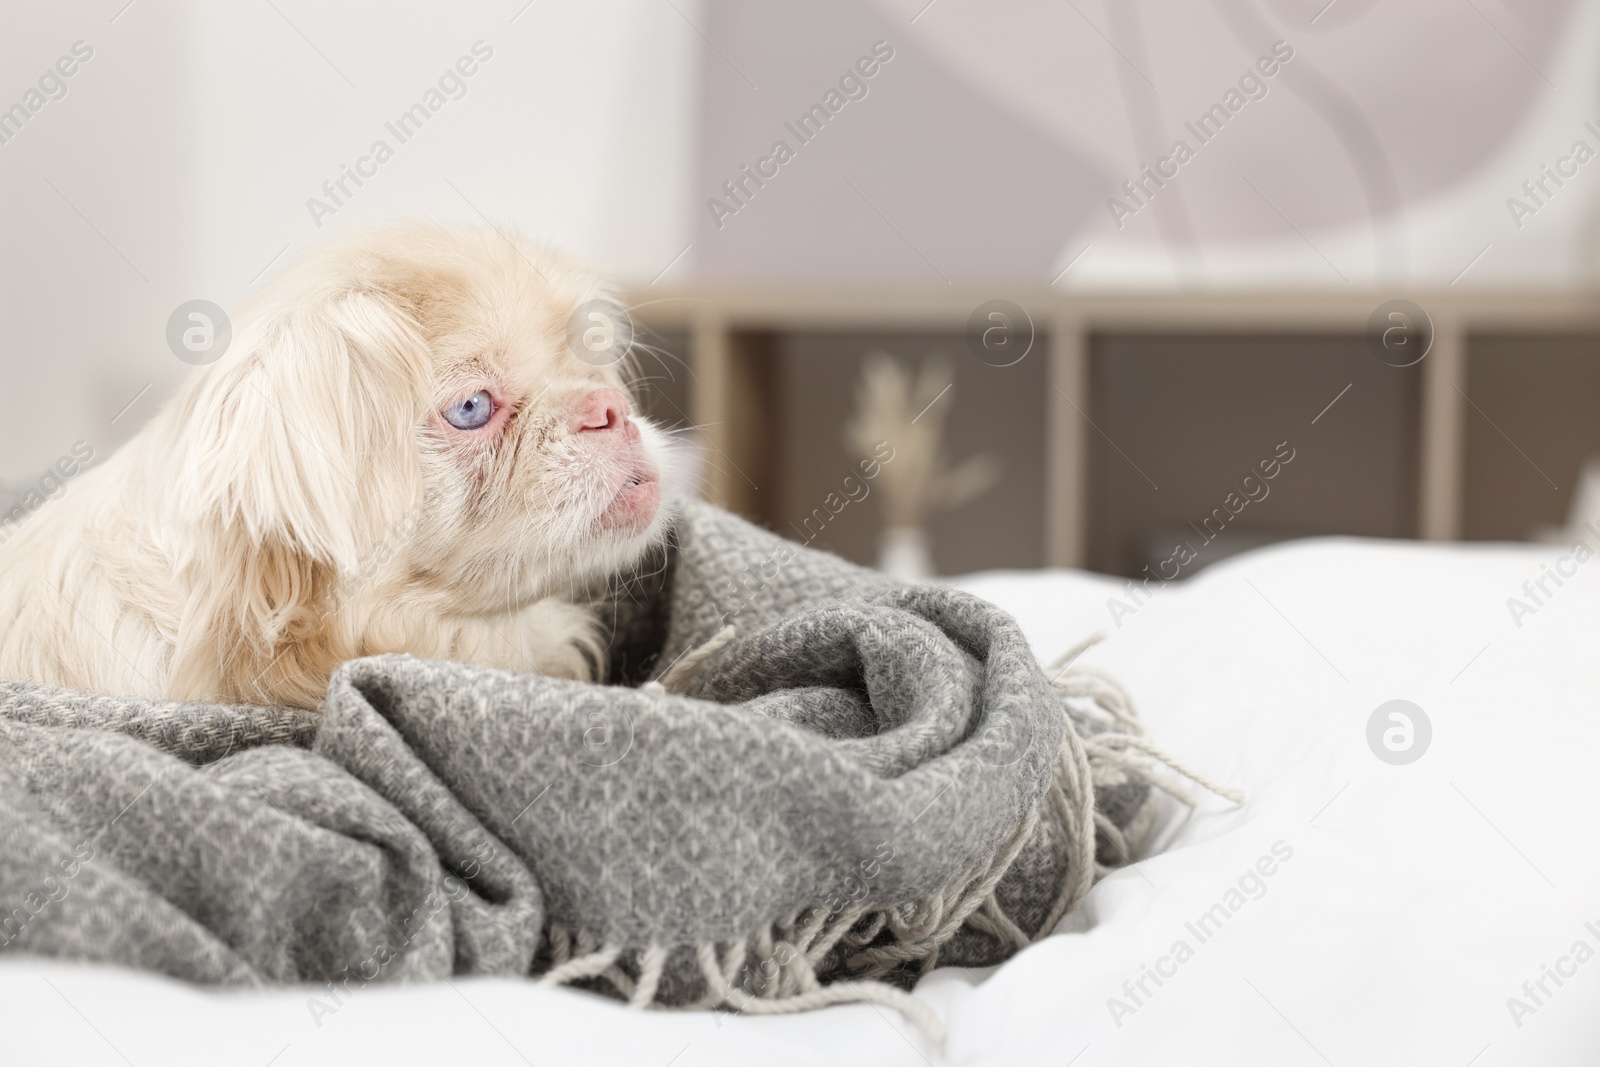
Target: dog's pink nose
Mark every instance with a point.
(603, 409)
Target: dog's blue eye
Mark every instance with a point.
(471, 413)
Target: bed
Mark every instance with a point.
(1393, 890)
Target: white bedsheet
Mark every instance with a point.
(1406, 904)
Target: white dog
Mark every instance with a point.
(399, 452)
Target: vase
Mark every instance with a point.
(903, 553)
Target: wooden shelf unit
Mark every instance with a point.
(727, 330)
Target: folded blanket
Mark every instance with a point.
(805, 783)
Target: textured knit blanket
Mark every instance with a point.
(805, 783)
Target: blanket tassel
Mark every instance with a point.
(788, 953)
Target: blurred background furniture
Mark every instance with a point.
(1002, 150)
(1134, 415)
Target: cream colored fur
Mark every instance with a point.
(301, 502)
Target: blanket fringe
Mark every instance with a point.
(678, 674)
(775, 970)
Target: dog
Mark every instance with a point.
(400, 450)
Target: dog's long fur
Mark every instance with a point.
(302, 501)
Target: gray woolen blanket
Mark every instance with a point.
(859, 780)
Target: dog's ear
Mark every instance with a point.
(295, 457)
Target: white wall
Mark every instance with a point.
(990, 149)
(195, 135)
(180, 161)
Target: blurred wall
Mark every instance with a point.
(97, 223)
(1380, 149)
(180, 161)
